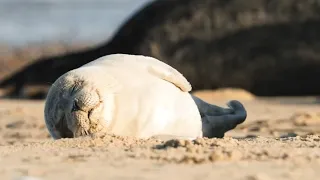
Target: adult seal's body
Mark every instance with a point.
(133, 95)
(267, 47)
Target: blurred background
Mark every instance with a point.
(32, 29)
(267, 47)
(26, 22)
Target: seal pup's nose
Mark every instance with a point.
(85, 100)
(85, 111)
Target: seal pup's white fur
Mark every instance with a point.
(130, 95)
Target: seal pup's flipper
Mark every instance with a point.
(216, 121)
(146, 63)
(165, 72)
(171, 75)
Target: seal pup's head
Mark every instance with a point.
(80, 103)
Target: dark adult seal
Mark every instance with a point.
(268, 47)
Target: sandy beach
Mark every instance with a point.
(279, 140)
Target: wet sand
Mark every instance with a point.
(279, 140)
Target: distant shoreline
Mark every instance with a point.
(35, 21)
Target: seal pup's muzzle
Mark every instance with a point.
(76, 109)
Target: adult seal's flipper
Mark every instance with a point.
(216, 121)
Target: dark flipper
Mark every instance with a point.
(216, 121)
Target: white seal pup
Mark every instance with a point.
(133, 95)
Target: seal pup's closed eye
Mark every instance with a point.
(133, 95)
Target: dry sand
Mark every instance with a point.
(279, 140)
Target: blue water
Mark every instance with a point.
(32, 21)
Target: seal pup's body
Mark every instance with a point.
(130, 95)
